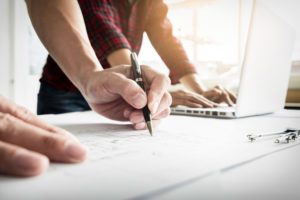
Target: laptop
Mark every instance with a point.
(265, 69)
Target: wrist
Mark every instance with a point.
(95, 82)
(119, 57)
(84, 75)
(193, 83)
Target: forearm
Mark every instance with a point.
(60, 26)
(191, 81)
(119, 57)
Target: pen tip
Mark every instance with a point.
(149, 126)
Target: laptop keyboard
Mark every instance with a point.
(222, 111)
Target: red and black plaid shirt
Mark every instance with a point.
(116, 24)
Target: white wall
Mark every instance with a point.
(14, 65)
(5, 49)
(290, 11)
(20, 53)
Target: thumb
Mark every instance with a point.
(129, 90)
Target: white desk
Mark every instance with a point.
(188, 158)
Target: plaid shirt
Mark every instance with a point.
(116, 24)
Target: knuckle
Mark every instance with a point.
(164, 79)
(224, 95)
(191, 96)
(6, 124)
(23, 113)
(4, 117)
(51, 142)
(217, 92)
(219, 87)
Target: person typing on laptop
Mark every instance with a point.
(256, 94)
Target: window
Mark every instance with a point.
(210, 33)
(37, 53)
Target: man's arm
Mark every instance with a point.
(118, 53)
(159, 30)
(111, 92)
(60, 26)
(119, 57)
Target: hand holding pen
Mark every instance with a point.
(138, 78)
(158, 99)
(113, 93)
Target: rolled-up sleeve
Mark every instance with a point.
(103, 29)
(160, 32)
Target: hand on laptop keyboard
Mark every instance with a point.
(190, 99)
(219, 95)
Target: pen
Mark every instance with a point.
(137, 75)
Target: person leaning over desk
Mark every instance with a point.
(115, 28)
(26, 142)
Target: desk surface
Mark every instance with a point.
(188, 158)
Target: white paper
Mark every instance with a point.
(124, 163)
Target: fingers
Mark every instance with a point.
(162, 111)
(15, 160)
(195, 99)
(159, 100)
(213, 95)
(191, 99)
(165, 103)
(136, 117)
(219, 95)
(158, 97)
(192, 104)
(227, 99)
(127, 112)
(111, 92)
(55, 147)
(21, 113)
(143, 126)
(28, 117)
(138, 120)
(129, 90)
(224, 97)
(162, 114)
(21, 131)
(140, 126)
(231, 95)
